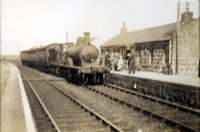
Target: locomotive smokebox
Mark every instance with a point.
(89, 54)
(87, 38)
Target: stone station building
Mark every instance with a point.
(158, 46)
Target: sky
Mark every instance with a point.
(33, 23)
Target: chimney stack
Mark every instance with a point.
(87, 38)
(124, 28)
(187, 15)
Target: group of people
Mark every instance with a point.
(114, 61)
(166, 69)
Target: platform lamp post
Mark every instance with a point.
(177, 38)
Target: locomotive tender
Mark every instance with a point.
(78, 63)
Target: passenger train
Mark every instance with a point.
(78, 62)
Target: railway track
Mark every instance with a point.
(43, 119)
(120, 115)
(119, 122)
(56, 110)
(103, 111)
(175, 105)
(176, 116)
(183, 119)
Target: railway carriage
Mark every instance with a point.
(28, 57)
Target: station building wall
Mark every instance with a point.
(189, 49)
(153, 55)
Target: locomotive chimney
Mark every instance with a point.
(87, 37)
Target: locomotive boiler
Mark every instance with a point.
(78, 62)
(83, 53)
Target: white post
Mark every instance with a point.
(170, 50)
(177, 39)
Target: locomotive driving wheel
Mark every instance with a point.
(69, 76)
(82, 79)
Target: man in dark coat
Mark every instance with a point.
(107, 60)
(131, 62)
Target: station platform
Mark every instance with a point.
(15, 110)
(163, 78)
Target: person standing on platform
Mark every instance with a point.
(107, 61)
(169, 70)
(131, 62)
(111, 60)
(116, 60)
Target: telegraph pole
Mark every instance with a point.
(36, 42)
(177, 38)
(19, 49)
(18, 46)
(66, 37)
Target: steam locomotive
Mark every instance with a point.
(78, 62)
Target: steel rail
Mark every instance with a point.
(57, 129)
(127, 91)
(48, 79)
(106, 122)
(145, 111)
(156, 115)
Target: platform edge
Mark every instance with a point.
(29, 120)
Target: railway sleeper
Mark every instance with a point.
(82, 115)
(106, 129)
(75, 120)
(122, 125)
(84, 124)
(76, 126)
(66, 111)
(46, 130)
(193, 123)
(45, 126)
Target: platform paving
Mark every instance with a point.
(161, 77)
(12, 112)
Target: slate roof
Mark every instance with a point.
(145, 35)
